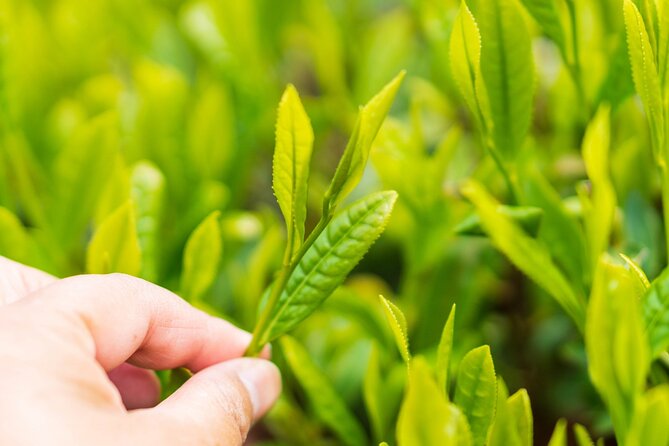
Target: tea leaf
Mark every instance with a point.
(465, 56)
(398, 325)
(508, 73)
(326, 403)
(292, 156)
(559, 437)
(599, 218)
(503, 431)
(201, 258)
(352, 163)
(645, 73)
(444, 352)
(616, 343)
(650, 414)
(475, 391)
(114, 246)
(582, 436)
(519, 411)
(426, 418)
(527, 254)
(327, 262)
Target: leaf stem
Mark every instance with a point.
(287, 268)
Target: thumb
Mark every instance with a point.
(216, 406)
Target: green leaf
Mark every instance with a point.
(546, 13)
(663, 46)
(528, 217)
(645, 74)
(527, 254)
(655, 307)
(444, 352)
(615, 343)
(475, 391)
(503, 431)
(326, 403)
(426, 418)
(507, 69)
(292, 156)
(201, 258)
(599, 215)
(328, 261)
(398, 325)
(650, 418)
(465, 56)
(114, 246)
(353, 161)
(519, 411)
(582, 436)
(559, 437)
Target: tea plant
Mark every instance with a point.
(524, 160)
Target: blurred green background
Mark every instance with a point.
(172, 104)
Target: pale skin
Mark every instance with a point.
(76, 356)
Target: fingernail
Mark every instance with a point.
(262, 381)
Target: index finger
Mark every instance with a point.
(129, 319)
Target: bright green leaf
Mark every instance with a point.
(201, 258)
(519, 411)
(507, 69)
(615, 342)
(645, 73)
(353, 161)
(426, 418)
(292, 156)
(327, 262)
(114, 247)
(649, 426)
(475, 391)
(559, 437)
(444, 352)
(599, 217)
(465, 56)
(582, 435)
(398, 325)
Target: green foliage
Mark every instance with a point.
(475, 391)
(114, 247)
(526, 141)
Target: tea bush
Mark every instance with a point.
(514, 151)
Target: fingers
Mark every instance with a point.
(217, 405)
(139, 388)
(129, 319)
(17, 281)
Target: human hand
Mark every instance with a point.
(73, 351)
